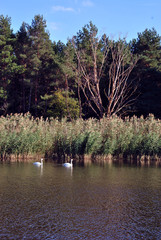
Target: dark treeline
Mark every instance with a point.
(87, 77)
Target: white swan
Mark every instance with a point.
(68, 164)
(39, 163)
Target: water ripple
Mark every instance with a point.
(92, 203)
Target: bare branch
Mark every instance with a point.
(91, 63)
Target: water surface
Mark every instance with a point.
(92, 202)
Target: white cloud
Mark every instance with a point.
(87, 3)
(62, 9)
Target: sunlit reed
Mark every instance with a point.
(23, 135)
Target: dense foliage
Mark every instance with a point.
(44, 78)
(22, 136)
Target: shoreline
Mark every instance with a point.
(86, 158)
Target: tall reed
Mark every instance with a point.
(22, 135)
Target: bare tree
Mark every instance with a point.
(90, 69)
(120, 91)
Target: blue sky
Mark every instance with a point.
(65, 18)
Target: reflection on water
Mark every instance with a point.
(39, 168)
(93, 202)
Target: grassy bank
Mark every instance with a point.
(22, 136)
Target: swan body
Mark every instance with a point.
(39, 163)
(68, 164)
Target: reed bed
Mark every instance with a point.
(22, 135)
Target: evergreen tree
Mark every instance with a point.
(148, 70)
(147, 45)
(7, 61)
(61, 99)
(67, 66)
(41, 60)
(21, 81)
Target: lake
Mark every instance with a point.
(108, 201)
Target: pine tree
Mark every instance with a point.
(7, 61)
(21, 83)
(41, 60)
(148, 70)
(147, 45)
